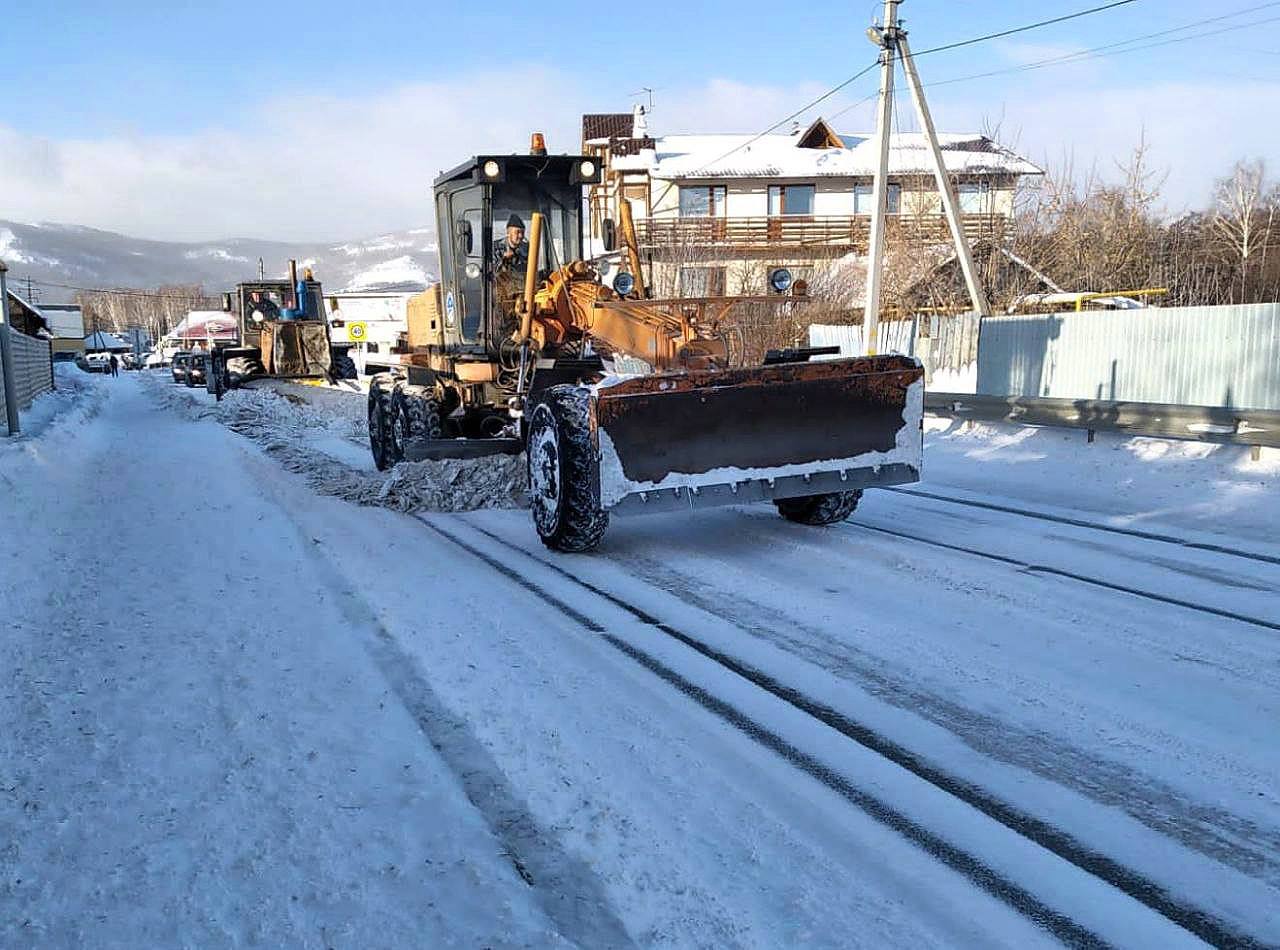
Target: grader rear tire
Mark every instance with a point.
(381, 388)
(415, 413)
(819, 509)
(566, 513)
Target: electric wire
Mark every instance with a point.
(936, 49)
(1023, 29)
(1109, 49)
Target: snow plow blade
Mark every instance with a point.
(420, 449)
(717, 437)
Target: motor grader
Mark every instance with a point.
(623, 403)
(283, 334)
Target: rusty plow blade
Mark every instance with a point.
(718, 437)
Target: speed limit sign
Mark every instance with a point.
(357, 332)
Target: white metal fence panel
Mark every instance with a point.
(1197, 356)
(33, 366)
(32, 370)
(947, 346)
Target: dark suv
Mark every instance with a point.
(178, 366)
(197, 367)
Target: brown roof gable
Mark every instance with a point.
(820, 135)
(606, 125)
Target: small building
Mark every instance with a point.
(100, 342)
(26, 317)
(715, 213)
(372, 323)
(66, 323)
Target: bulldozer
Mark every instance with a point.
(283, 334)
(623, 402)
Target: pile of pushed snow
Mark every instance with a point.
(327, 442)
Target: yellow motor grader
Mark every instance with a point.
(623, 403)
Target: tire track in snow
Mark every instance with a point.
(1147, 892)
(981, 874)
(1093, 525)
(1050, 571)
(1219, 834)
(568, 891)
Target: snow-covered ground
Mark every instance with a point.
(1031, 700)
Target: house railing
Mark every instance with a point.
(850, 232)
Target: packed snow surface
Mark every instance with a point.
(240, 711)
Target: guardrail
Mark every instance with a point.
(1252, 427)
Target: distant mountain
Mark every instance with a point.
(52, 254)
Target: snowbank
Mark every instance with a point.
(327, 441)
(76, 399)
(1130, 481)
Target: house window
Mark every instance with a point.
(974, 197)
(702, 281)
(702, 201)
(791, 199)
(864, 201)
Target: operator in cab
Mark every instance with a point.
(261, 307)
(511, 253)
(510, 260)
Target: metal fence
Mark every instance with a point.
(32, 370)
(946, 345)
(1193, 356)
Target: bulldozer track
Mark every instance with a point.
(1050, 839)
(1049, 571)
(1092, 525)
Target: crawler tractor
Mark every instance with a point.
(623, 403)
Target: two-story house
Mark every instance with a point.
(716, 213)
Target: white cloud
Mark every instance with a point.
(334, 167)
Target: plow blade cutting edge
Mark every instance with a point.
(734, 436)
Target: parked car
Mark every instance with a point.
(95, 363)
(178, 367)
(197, 367)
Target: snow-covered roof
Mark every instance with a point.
(97, 340)
(66, 321)
(782, 156)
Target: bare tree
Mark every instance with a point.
(1244, 213)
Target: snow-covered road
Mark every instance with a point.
(990, 711)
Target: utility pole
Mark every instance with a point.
(951, 207)
(892, 41)
(31, 291)
(887, 37)
(6, 357)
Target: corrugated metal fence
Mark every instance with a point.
(1194, 356)
(1189, 356)
(946, 345)
(32, 370)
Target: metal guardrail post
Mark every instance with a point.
(6, 357)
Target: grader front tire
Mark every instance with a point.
(561, 458)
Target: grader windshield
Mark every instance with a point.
(489, 218)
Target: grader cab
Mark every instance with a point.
(622, 402)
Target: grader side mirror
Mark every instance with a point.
(609, 234)
(226, 303)
(464, 237)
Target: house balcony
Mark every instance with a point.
(842, 233)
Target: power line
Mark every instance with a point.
(936, 49)
(1109, 49)
(125, 293)
(799, 112)
(1023, 29)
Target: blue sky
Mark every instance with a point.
(103, 104)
